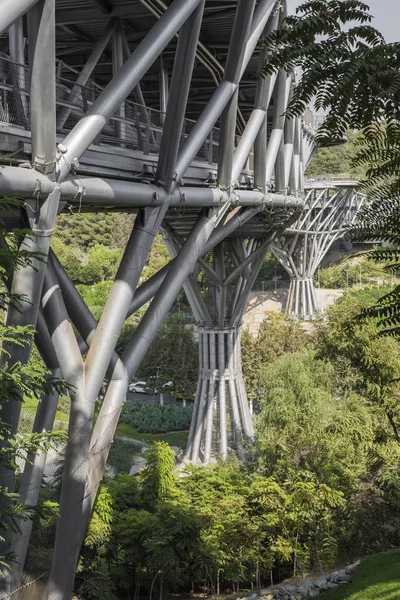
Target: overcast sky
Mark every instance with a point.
(386, 13)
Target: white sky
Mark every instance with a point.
(386, 13)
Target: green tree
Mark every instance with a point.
(18, 382)
(337, 160)
(307, 422)
(158, 478)
(355, 77)
(173, 356)
(277, 335)
(368, 362)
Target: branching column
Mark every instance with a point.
(218, 292)
(302, 247)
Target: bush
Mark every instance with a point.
(121, 455)
(151, 418)
(338, 276)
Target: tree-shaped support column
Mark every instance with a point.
(218, 293)
(302, 247)
(221, 418)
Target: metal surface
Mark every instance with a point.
(301, 248)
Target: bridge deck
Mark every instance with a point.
(126, 149)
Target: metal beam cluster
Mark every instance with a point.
(302, 247)
(221, 187)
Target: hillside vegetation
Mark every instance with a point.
(377, 578)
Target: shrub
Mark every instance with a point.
(152, 418)
(121, 455)
(338, 276)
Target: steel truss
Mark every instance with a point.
(302, 247)
(221, 421)
(222, 226)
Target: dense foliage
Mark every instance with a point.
(153, 418)
(337, 160)
(277, 335)
(172, 357)
(18, 382)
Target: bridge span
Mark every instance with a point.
(155, 108)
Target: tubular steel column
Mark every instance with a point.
(27, 282)
(86, 72)
(302, 247)
(11, 11)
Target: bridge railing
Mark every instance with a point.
(133, 126)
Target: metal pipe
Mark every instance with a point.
(281, 98)
(202, 402)
(210, 398)
(163, 78)
(120, 297)
(237, 427)
(117, 63)
(86, 130)
(12, 11)
(16, 44)
(42, 61)
(222, 94)
(280, 168)
(148, 289)
(86, 72)
(246, 142)
(27, 282)
(31, 482)
(239, 37)
(223, 443)
(66, 548)
(193, 422)
(178, 95)
(177, 274)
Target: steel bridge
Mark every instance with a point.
(155, 108)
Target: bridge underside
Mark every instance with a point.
(104, 107)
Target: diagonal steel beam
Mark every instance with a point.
(86, 72)
(239, 37)
(12, 11)
(86, 130)
(222, 94)
(178, 96)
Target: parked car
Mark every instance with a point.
(138, 386)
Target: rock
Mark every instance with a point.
(344, 582)
(350, 568)
(267, 591)
(252, 597)
(307, 589)
(343, 577)
(332, 586)
(288, 589)
(270, 596)
(321, 583)
(332, 576)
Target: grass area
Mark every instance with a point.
(175, 438)
(30, 406)
(377, 578)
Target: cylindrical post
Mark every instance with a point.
(210, 399)
(223, 447)
(86, 72)
(11, 11)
